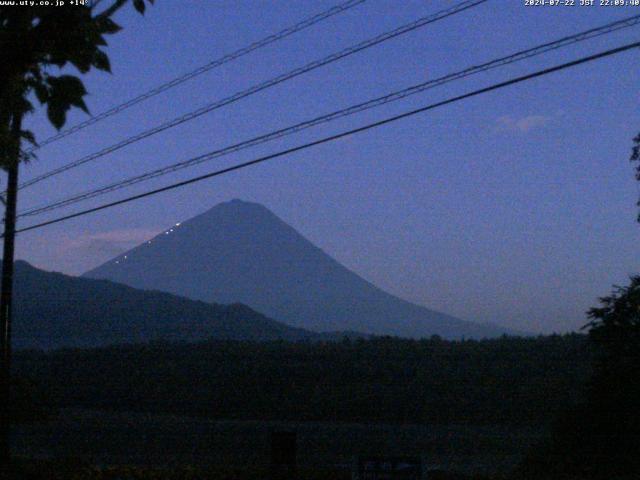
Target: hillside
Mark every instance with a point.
(241, 252)
(55, 310)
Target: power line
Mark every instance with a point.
(331, 138)
(394, 96)
(302, 25)
(467, 4)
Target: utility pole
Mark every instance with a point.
(6, 293)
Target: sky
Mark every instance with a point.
(516, 207)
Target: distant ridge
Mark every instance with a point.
(241, 252)
(53, 310)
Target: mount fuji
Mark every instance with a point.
(241, 252)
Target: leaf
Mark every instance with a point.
(101, 61)
(57, 114)
(81, 105)
(82, 59)
(29, 137)
(26, 157)
(66, 91)
(42, 92)
(67, 87)
(108, 26)
(24, 105)
(139, 6)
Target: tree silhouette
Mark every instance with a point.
(600, 438)
(635, 158)
(614, 395)
(34, 41)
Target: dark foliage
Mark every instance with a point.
(28, 402)
(503, 381)
(600, 439)
(36, 39)
(70, 469)
(635, 158)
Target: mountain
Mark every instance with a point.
(241, 252)
(53, 310)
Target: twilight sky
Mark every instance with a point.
(516, 207)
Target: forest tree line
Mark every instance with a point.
(500, 381)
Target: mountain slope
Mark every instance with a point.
(54, 310)
(241, 252)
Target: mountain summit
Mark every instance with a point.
(241, 252)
